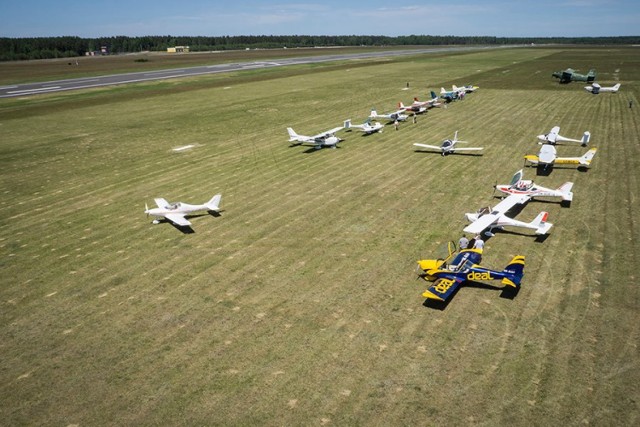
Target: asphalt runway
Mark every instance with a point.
(27, 89)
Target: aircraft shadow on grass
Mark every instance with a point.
(417, 150)
(507, 292)
(186, 229)
(545, 170)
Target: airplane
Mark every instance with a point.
(467, 88)
(451, 95)
(527, 188)
(367, 127)
(553, 137)
(449, 146)
(421, 106)
(324, 139)
(569, 75)
(491, 218)
(175, 212)
(595, 88)
(547, 156)
(392, 117)
(447, 274)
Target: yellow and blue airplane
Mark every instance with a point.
(447, 274)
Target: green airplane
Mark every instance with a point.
(568, 76)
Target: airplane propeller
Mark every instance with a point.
(146, 209)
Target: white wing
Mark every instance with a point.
(481, 224)
(509, 202)
(328, 133)
(433, 147)
(178, 219)
(162, 203)
(467, 148)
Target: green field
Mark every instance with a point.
(300, 305)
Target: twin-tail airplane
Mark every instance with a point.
(448, 146)
(554, 137)
(495, 218)
(367, 127)
(324, 139)
(392, 117)
(595, 88)
(547, 156)
(176, 212)
(449, 273)
(529, 189)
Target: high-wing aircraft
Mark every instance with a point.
(447, 274)
(553, 137)
(176, 212)
(367, 127)
(324, 139)
(569, 75)
(490, 218)
(528, 188)
(595, 88)
(392, 117)
(548, 156)
(449, 146)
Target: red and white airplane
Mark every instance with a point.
(528, 188)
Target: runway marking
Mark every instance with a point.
(34, 90)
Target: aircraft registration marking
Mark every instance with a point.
(443, 285)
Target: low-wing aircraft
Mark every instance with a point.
(367, 127)
(392, 117)
(421, 106)
(548, 156)
(569, 75)
(491, 218)
(528, 188)
(176, 212)
(449, 146)
(451, 95)
(595, 88)
(467, 88)
(448, 273)
(553, 137)
(324, 139)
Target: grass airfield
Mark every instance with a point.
(299, 305)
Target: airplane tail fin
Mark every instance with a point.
(292, 134)
(565, 189)
(616, 87)
(442, 91)
(347, 124)
(514, 272)
(214, 203)
(454, 88)
(374, 113)
(585, 160)
(585, 138)
(433, 95)
(401, 105)
(541, 224)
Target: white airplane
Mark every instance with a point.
(553, 137)
(595, 88)
(367, 127)
(492, 218)
(175, 212)
(324, 139)
(527, 188)
(421, 106)
(467, 88)
(392, 117)
(449, 146)
(547, 156)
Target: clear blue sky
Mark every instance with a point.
(502, 18)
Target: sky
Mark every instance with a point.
(500, 18)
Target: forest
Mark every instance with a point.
(12, 49)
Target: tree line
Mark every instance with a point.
(69, 46)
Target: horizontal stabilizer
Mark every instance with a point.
(514, 272)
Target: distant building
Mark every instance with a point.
(178, 49)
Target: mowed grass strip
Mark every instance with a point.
(299, 304)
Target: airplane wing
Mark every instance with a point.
(178, 219)
(442, 288)
(467, 148)
(328, 133)
(510, 201)
(433, 147)
(553, 134)
(482, 223)
(162, 203)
